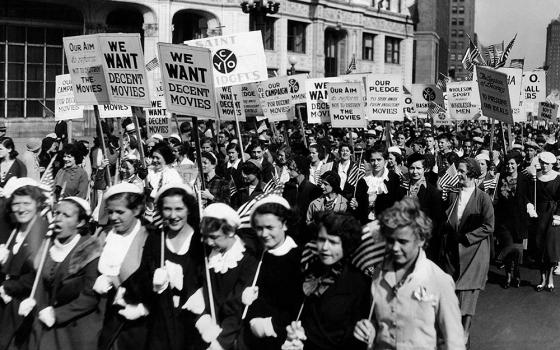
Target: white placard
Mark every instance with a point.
(347, 105)
(385, 99)
(316, 92)
(423, 94)
(548, 111)
(280, 95)
(115, 111)
(515, 83)
(463, 100)
(494, 94)
(230, 103)
(251, 100)
(65, 106)
(534, 89)
(158, 125)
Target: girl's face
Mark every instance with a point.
(329, 247)
(403, 246)
(66, 220)
(326, 187)
(69, 160)
(218, 239)
(127, 170)
(270, 230)
(377, 162)
(416, 170)
(120, 216)
(483, 166)
(391, 161)
(207, 166)
(345, 153)
(157, 161)
(175, 212)
(511, 166)
(313, 154)
(4, 152)
(24, 208)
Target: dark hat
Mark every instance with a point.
(413, 158)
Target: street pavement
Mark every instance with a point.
(516, 318)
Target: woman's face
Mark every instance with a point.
(24, 208)
(345, 153)
(483, 166)
(329, 247)
(281, 157)
(127, 170)
(69, 160)
(54, 147)
(377, 162)
(546, 167)
(120, 216)
(391, 161)
(511, 166)
(462, 175)
(270, 230)
(175, 212)
(206, 147)
(218, 239)
(313, 154)
(416, 170)
(4, 152)
(326, 187)
(232, 155)
(66, 220)
(403, 245)
(207, 166)
(157, 161)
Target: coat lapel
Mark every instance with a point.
(133, 256)
(469, 208)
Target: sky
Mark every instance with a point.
(499, 20)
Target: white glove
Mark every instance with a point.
(26, 306)
(102, 285)
(435, 169)
(555, 220)
(207, 328)
(5, 297)
(262, 327)
(47, 316)
(295, 331)
(4, 253)
(531, 210)
(160, 280)
(133, 312)
(119, 297)
(294, 344)
(215, 345)
(195, 303)
(249, 295)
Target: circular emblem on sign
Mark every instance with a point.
(294, 86)
(429, 94)
(224, 61)
(442, 116)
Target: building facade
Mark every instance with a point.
(553, 56)
(461, 14)
(431, 40)
(320, 37)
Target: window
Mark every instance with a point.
(454, 9)
(461, 45)
(266, 28)
(452, 57)
(453, 21)
(460, 57)
(296, 36)
(367, 46)
(454, 32)
(453, 45)
(392, 50)
(461, 9)
(461, 33)
(461, 21)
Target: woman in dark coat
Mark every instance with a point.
(127, 290)
(337, 293)
(342, 167)
(72, 179)
(69, 314)
(17, 258)
(10, 166)
(467, 232)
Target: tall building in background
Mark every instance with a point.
(461, 14)
(553, 55)
(431, 40)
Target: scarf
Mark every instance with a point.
(321, 278)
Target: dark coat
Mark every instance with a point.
(299, 197)
(431, 203)
(17, 169)
(512, 219)
(467, 242)
(76, 306)
(235, 174)
(242, 196)
(385, 200)
(348, 189)
(267, 171)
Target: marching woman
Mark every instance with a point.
(276, 293)
(337, 293)
(332, 200)
(17, 257)
(69, 315)
(177, 275)
(161, 172)
(232, 268)
(126, 289)
(72, 179)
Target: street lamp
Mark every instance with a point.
(293, 61)
(260, 7)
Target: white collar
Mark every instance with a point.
(234, 164)
(59, 251)
(184, 247)
(222, 262)
(284, 248)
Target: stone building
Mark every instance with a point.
(462, 13)
(553, 56)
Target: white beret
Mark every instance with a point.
(175, 136)
(123, 187)
(179, 185)
(517, 146)
(15, 183)
(130, 127)
(224, 212)
(157, 137)
(482, 156)
(547, 157)
(394, 149)
(81, 202)
(273, 198)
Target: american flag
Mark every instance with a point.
(48, 179)
(352, 65)
(152, 64)
(246, 209)
(491, 184)
(505, 55)
(448, 181)
(471, 57)
(442, 82)
(355, 173)
(517, 63)
(232, 188)
(271, 185)
(434, 109)
(494, 52)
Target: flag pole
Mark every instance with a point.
(254, 283)
(103, 144)
(238, 128)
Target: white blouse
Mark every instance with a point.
(115, 249)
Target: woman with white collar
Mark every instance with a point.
(121, 280)
(175, 266)
(277, 296)
(18, 255)
(69, 316)
(332, 200)
(232, 268)
(376, 191)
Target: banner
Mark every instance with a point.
(408, 105)
(188, 82)
(158, 125)
(534, 89)
(115, 111)
(494, 94)
(515, 82)
(548, 111)
(237, 58)
(230, 103)
(423, 94)
(279, 96)
(64, 105)
(346, 105)
(251, 100)
(463, 100)
(86, 69)
(316, 92)
(385, 99)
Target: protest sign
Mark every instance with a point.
(237, 58)
(230, 103)
(408, 105)
(494, 94)
(115, 111)
(123, 66)
(188, 173)
(86, 69)
(158, 125)
(316, 92)
(279, 96)
(384, 97)
(423, 94)
(251, 100)
(548, 111)
(515, 77)
(188, 82)
(157, 99)
(346, 105)
(534, 89)
(463, 100)
(64, 105)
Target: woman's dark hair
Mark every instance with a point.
(320, 150)
(165, 151)
(210, 156)
(284, 148)
(284, 214)
(473, 168)
(210, 141)
(34, 192)
(332, 179)
(75, 151)
(134, 162)
(133, 201)
(234, 146)
(250, 168)
(344, 226)
(193, 218)
(344, 144)
(398, 157)
(416, 158)
(209, 224)
(405, 213)
(515, 155)
(379, 150)
(451, 157)
(9, 144)
(302, 164)
(82, 215)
